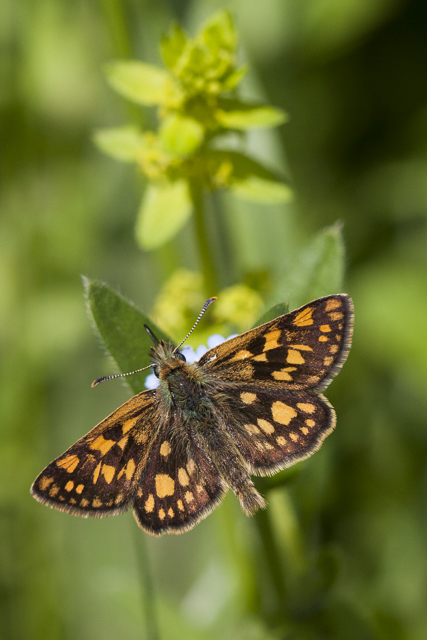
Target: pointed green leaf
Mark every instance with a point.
(218, 32)
(164, 210)
(140, 82)
(257, 189)
(173, 46)
(276, 311)
(234, 78)
(238, 115)
(121, 143)
(121, 328)
(246, 178)
(319, 269)
(181, 135)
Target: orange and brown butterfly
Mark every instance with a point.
(251, 406)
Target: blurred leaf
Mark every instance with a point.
(319, 269)
(172, 46)
(140, 82)
(246, 178)
(219, 32)
(181, 135)
(238, 305)
(165, 208)
(276, 311)
(256, 189)
(234, 78)
(235, 114)
(121, 328)
(121, 143)
(392, 308)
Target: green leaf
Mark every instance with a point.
(219, 32)
(181, 135)
(257, 189)
(121, 143)
(276, 311)
(121, 328)
(246, 178)
(234, 114)
(140, 82)
(319, 269)
(234, 78)
(172, 46)
(164, 210)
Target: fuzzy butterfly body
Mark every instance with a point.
(250, 406)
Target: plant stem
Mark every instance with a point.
(149, 607)
(273, 563)
(208, 269)
(115, 19)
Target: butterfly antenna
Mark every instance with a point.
(117, 375)
(205, 306)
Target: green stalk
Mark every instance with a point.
(208, 269)
(148, 600)
(115, 19)
(273, 564)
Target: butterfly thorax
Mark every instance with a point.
(183, 382)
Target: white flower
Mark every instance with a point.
(152, 381)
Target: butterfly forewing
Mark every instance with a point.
(274, 429)
(179, 485)
(99, 474)
(303, 349)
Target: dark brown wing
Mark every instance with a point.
(98, 476)
(274, 429)
(179, 485)
(303, 349)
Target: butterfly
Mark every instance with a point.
(250, 406)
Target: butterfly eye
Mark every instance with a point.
(155, 369)
(181, 356)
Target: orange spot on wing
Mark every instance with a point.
(307, 407)
(149, 503)
(333, 303)
(241, 355)
(69, 463)
(304, 318)
(165, 485)
(271, 340)
(129, 424)
(266, 426)
(282, 413)
(336, 315)
(102, 445)
(108, 472)
(44, 483)
(294, 357)
(96, 473)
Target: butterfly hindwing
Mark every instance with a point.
(99, 474)
(179, 485)
(274, 429)
(303, 349)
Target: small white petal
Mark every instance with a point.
(233, 335)
(200, 351)
(151, 381)
(190, 354)
(215, 340)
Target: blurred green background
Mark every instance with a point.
(350, 528)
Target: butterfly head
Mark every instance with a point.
(165, 359)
